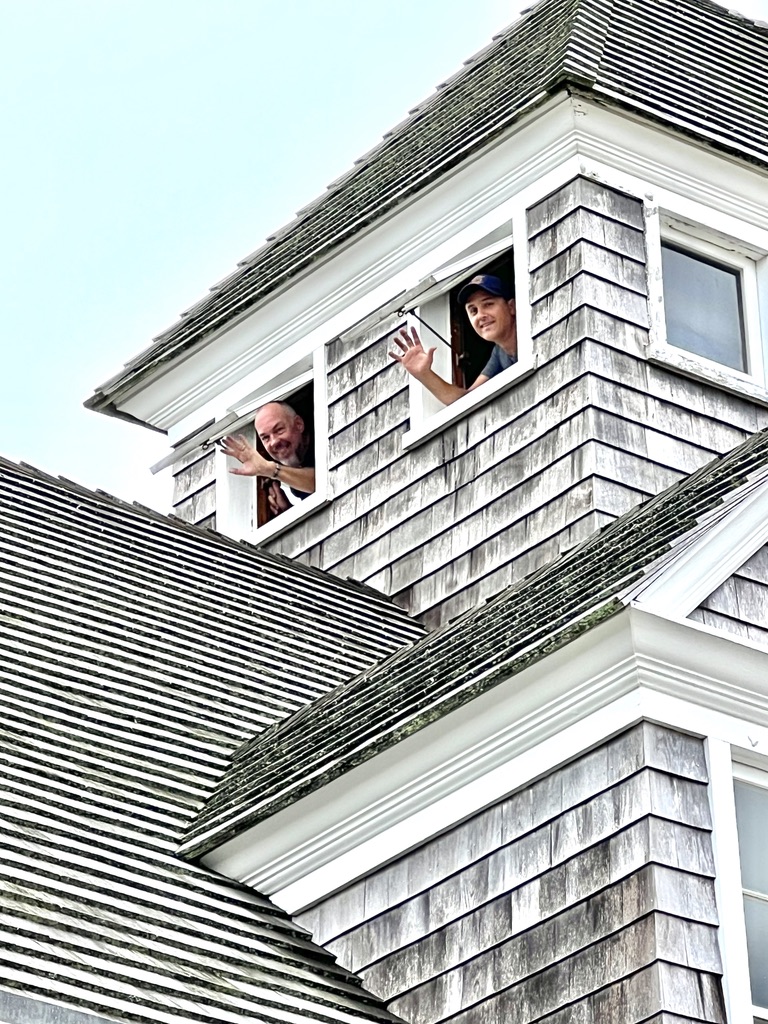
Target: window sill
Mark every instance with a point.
(286, 519)
(451, 413)
(723, 377)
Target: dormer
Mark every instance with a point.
(619, 179)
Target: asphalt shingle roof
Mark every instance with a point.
(137, 654)
(467, 657)
(660, 57)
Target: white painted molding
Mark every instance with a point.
(732, 934)
(566, 136)
(700, 567)
(367, 272)
(428, 426)
(632, 666)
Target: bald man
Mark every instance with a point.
(292, 456)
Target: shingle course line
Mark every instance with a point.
(212, 666)
(313, 602)
(202, 549)
(72, 668)
(72, 675)
(278, 758)
(77, 743)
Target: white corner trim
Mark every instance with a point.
(732, 934)
(702, 566)
(632, 666)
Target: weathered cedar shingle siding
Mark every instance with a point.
(555, 897)
(517, 481)
(485, 647)
(137, 654)
(740, 605)
(194, 488)
(660, 58)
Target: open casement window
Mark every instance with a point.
(711, 302)
(460, 354)
(248, 497)
(470, 352)
(242, 507)
(751, 791)
(243, 503)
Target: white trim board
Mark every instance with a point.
(635, 665)
(566, 136)
(700, 566)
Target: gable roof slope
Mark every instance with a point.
(137, 654)
(453, 665)
(688, 63)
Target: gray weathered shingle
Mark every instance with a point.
(137, 654)
(458, 662)
(656, 56)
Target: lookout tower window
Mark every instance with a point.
(469, 351)
(704, 307)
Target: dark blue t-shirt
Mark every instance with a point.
(500, 360)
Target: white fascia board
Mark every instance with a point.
(681, 175)
(564, 137)
(369, 271)
(635, 665)
(705, 563)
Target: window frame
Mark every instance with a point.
(236, 496)
(745, 769)
(428, 416)
(751, 264)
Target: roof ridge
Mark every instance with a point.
(587, 39)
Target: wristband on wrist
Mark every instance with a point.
(276, 471)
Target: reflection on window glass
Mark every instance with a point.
(756, 914)
(752, 816)
(703, 307)
(752, 820)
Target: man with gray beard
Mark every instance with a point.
(282, 432)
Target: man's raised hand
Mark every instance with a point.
(252, 463)
(416, 359)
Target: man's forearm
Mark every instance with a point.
(441, 389)
(297, 477)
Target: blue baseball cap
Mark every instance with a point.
(486, 282)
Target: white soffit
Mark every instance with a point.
(706, 556)
(614, 675)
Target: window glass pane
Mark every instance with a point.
(752, 818)
(703, 307)
(756, 914)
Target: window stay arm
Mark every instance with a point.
(407, 312)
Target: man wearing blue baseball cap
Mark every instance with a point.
(490, 310)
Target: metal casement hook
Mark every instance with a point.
(410, 312)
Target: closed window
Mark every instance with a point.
(704, 307)
(752, 821)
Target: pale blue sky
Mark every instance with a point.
(148, 145)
